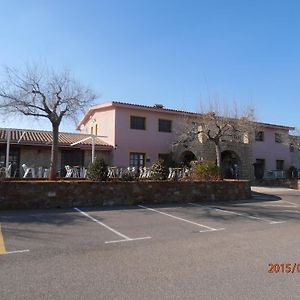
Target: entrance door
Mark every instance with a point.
(230, 164)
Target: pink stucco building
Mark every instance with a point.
(271, 147)
(141, 134)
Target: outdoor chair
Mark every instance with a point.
(40, 172)
(28, 170)
(112, 172)
(83, 172)
(141, 172)
(76, 171)
(171, 173)
(5, 172)
(69, 171)
(145, 172)
(120, 172)
(46, 173)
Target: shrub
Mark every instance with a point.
(205, 170)
(128, 176)
(158, 170)
(97, 170)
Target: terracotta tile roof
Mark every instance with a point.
(156, 107)
(160, 108)
(44, 138)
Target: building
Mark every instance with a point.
(33, 148)
(141, 134)
(137, 135)
(272, 149)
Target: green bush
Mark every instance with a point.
(97, 170)
(128, 176)
(158, 170)
(205, 170)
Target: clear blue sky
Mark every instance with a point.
(177, 53)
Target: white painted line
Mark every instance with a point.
(126, 238)
(238, 214)
(209, 230)
(18, 251)
(292, 211)
(279, 203)
(102, 224)
(296, 205)
(136, 239)
(270, 205)
(184, 220)
(276, 222)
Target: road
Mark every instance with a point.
(207, 251)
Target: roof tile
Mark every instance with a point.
(38, 137)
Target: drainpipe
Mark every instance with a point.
(93, 148)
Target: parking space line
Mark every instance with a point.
(125, 237)
(281, 203)
(274, 205)
(292, 211)
(3, 249)
(294, 204)
(128, 240)
(2, 245)
(17, 251)
(238, 214)
(184, 220)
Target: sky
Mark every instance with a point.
(176, 53)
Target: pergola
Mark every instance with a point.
(93, 138)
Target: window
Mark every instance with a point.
(279, 164)
(259, 136)
(137, 159)
(278, 138)
(92, 130)
(137, 123)
(96, 129)
(261, 163)
(164, 125)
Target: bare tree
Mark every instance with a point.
(216, 126)
(42, 92)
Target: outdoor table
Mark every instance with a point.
(76, 171)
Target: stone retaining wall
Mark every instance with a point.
(278, 182)
(63, 194)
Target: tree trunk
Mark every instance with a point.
(54, 152)
(218, 154)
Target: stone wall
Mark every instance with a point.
(207, 151)
(63, 194)
(278, 182)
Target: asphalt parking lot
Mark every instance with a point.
(192, 251)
